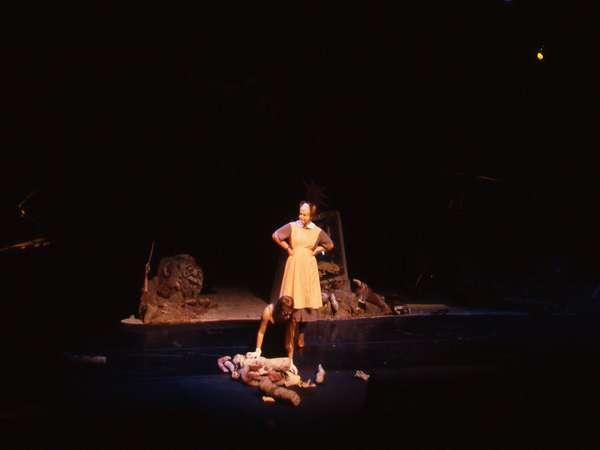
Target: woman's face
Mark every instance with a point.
(304, 214)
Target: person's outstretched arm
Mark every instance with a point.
(289, 343)
(262, 329)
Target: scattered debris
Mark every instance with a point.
(401, 309)
(362, 375)
(96, 360)
(320, 377)
(365, 294)
(132, 320)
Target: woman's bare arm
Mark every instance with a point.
(262, 329)
(283, 244)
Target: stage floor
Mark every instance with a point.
(500, 381)
(239, 304)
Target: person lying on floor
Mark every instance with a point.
(272, 376)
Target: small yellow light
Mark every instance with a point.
(540, 55)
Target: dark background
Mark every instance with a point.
(196, 127)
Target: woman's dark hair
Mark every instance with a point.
(311, 206)
(283, 309)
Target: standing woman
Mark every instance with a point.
(302, 240)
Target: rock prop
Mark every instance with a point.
(340, 303)
(173, 294)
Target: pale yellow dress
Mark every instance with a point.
(301, 274)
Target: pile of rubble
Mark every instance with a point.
(173, 295)
(342, 303)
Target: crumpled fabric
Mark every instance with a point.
(252, 369)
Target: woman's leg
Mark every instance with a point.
(299, 325)
(301, 328)
(288, 343)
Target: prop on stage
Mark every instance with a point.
(173, 295)
(272, 376)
